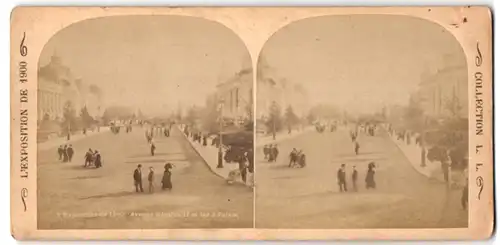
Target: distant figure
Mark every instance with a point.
(97, 159)
(167, 177)
(151, 179)
(243, 169)
(71, 152)
(249, 156)
(293, 158)
(60, 151)
(88, 157)
(301, 159)
(275, 152)
(138, 179)
(341, 179)
(356, 147)
(465, 195)
(153, 148)
(370, 176)
(204, 140)
(354, 178)
(446, 171)
(267, 150)
(65, 153)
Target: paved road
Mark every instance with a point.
(309, 197)
(73, 197)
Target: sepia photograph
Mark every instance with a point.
(251, 123)
(362, 122)
(145, 122)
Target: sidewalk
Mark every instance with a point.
(54, 143)
(268, 139)
(413, 153)
(209, 154)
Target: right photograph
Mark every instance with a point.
(361, 122)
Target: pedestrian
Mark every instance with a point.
(60, 151)
(275, 152)
(97, 159)
(465, 195)
(88, 157)
(151, 179)
(266, 152)
(153, 148)
(354, 178)
(138, 179)
(204, 140)
(243, 168)
(167, 177)
(356, 147)
(446, 171)
(249, 156)
(293, 158)
(65, 153)
(370, 176)
(341, 178)
(70, 152)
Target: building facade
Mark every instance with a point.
(282, 92)
(57, 86)
(445, 92)
(236, 96)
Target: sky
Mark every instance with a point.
(150, 62)
(360, 62)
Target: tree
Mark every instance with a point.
(414, 115)
(87, 120)
(192, 116)
(274, 122)
(69, 123)
(249, 118)
(210, 119)
(291, 118)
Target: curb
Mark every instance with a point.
(204, 160)
(410, 162)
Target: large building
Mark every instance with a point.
(282, 92)
(445, 92)
(57, 86)
(236, 96)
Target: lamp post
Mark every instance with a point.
(220, 155)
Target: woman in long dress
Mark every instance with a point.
(167, 177)
(370, 176)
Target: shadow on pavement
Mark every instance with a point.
(158, 154)
(118, 194)
(86, 177)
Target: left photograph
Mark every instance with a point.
(145, 122)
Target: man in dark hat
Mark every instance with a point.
(138, 179)
(341, 179)
(60, 151)
(70, 152)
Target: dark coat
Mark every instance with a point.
(137, 175)
(341, 175)
(167, 180)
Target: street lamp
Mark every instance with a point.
(220, 155)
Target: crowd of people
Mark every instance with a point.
(93, 158)
(271, 152)
(65, 153)
(369, 178)
(166, 180)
